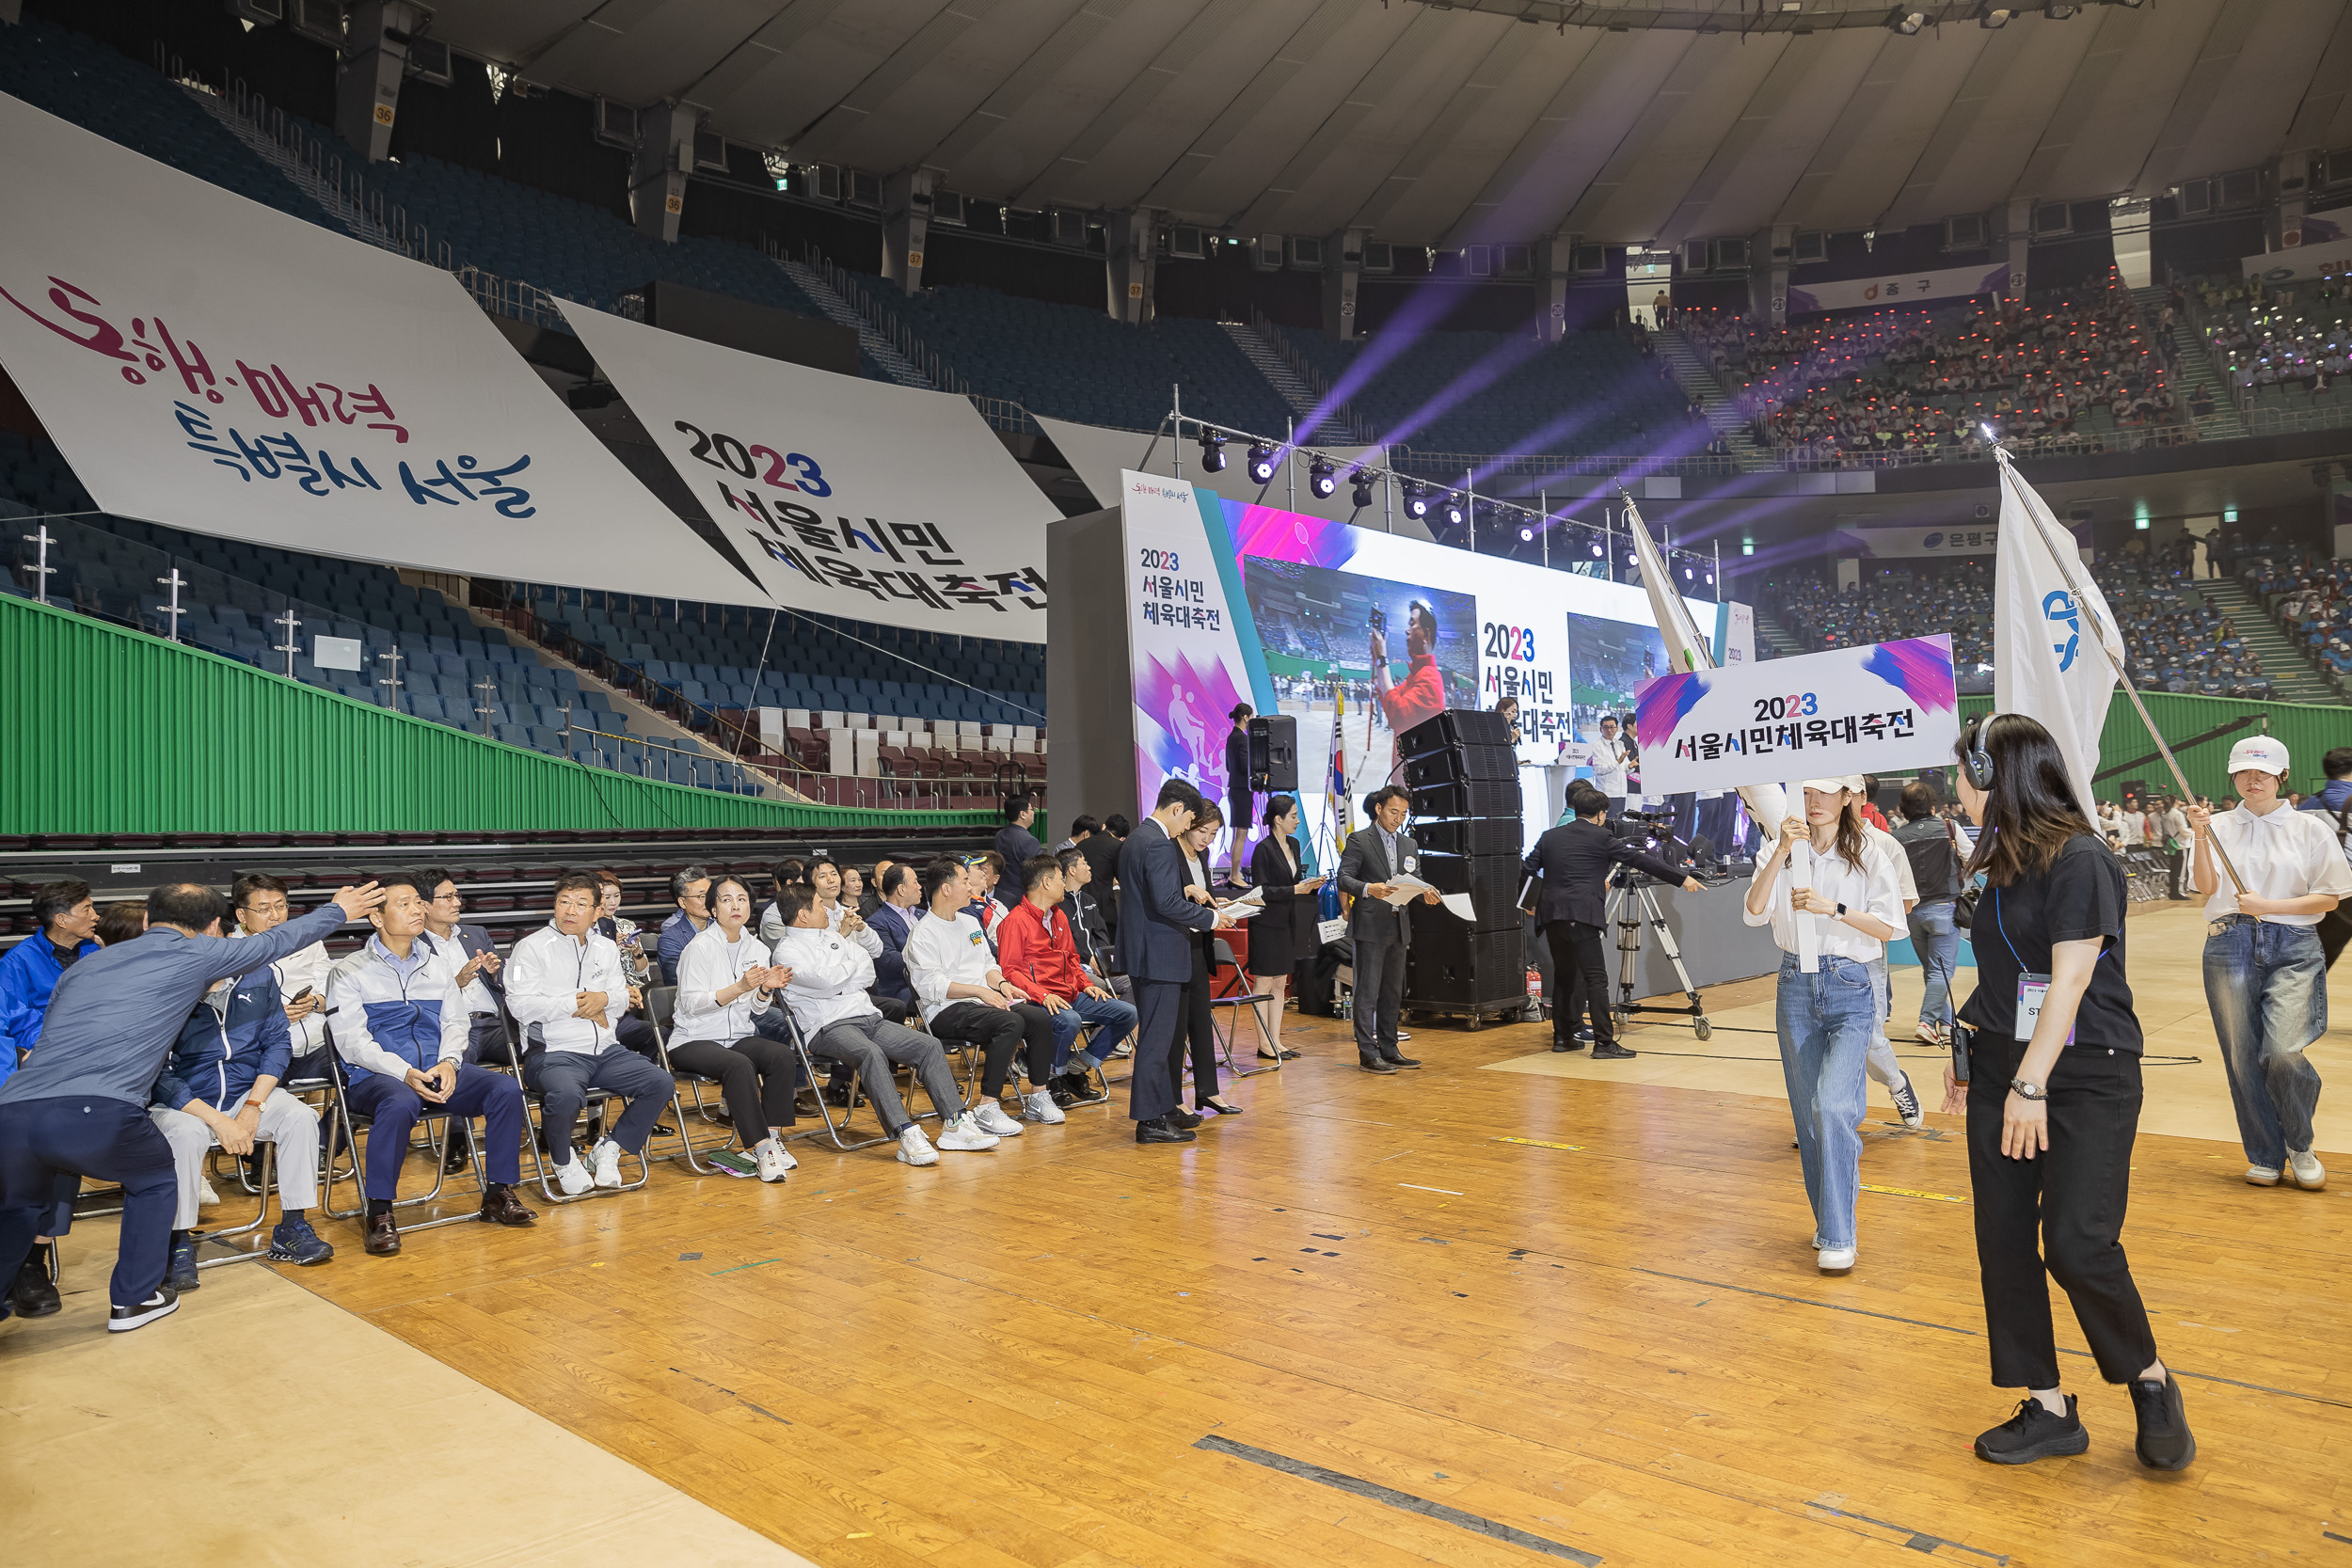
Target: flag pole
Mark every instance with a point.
(2067, 562)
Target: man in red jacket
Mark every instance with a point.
(1038, 954)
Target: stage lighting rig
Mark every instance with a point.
(1322, 479)
(1454, 512)
(1263, 460)
(1363, 497)
(1211, 451)
(1415, 498)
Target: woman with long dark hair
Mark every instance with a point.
(1827, 1015)
(1285, 933)
(2050, 1047)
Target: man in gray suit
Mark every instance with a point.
(1379, 931)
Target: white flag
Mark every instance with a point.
(2046, 662)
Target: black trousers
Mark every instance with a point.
(2058, 1215)
(1579, 969)
(1196, 1031)
(1159, 1020)
(757, 1076)
(996, 1031)
(1379, 993)
(2335, 929)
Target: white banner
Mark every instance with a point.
(2307, 260)
(1895, 543)
(1898, 289)
(848, 496)
(1883, 707)
(209, 363)
(1736, 633)
(2046, 658)
(1184, 656)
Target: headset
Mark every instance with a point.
(1979, 757)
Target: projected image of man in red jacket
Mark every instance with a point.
(1422, 693)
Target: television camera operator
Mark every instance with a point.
(1574, 862)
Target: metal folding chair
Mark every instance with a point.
(345, 1123)
(824, 1107)
(1221, 959)
(662, 1012)
(535, 1137)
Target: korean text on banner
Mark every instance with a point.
(1183, 649)
(848, 496)
(1883, 707)
(207, 362)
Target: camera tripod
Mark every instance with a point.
(1634, 904)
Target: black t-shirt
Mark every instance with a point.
(2080, 896)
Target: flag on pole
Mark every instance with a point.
(2046, 644)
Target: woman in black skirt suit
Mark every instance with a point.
(1285, 933)
(1195, 1028)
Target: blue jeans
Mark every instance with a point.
(1825, 1021)
(2267, 987)
(1117, 1019)
(1936, 942)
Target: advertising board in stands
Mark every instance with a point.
(210, 363)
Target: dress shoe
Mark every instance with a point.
(32, 1295)
(1161, 1130)
(1184, 1120)
(499, 1206)
(383, 1235)
(1401, 1061)
(1375, 1064)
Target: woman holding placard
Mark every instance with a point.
(1832, 897)
(2045, 1061)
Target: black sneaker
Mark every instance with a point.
(2165, 1440)
(1609, 1050)
(180, 1274)
(1374, 1064)
(122, 1320)
(33, 1294)
(1907, 1103)
(2034, 1434)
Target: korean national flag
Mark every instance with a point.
(2046, 662)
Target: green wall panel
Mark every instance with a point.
(2309, 730)
(112, 731)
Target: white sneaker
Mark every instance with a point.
(573, 1177)
(604, 1163)
(774, 1161)
(915, 1149)
(2305, 1171)
(782, 1153)
(205, 1196)
(1039, 1106)
(1836, 1260)
(2261, 1175)
(1930, 1033)
(989, 1117)
(964, 1133)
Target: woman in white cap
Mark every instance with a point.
(2265, 973)
(1827, 1017)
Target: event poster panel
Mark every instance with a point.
(209, 363)
(1185, 649)
(848, 496)
(1881, 707)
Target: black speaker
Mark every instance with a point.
(1470, 798)
(1451, 965)
(1456, 726)
(1459, 762)
(1470, 835)
(1492, 883)
(1274, 753)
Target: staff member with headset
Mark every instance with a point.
(2265, 970)
(1574, 860)
(2049, 1051)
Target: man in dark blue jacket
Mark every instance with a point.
(1156, 923)
(2335, 927)
(78, 1107)
(893, 921)
(29, 972)
(1016, 843)
(219, 1086)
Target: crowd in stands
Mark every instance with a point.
(2272, 337)
(2312, 601)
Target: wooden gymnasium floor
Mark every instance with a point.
(1514, 1307)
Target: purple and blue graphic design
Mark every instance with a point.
(1918, 667)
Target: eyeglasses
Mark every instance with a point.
(452, 897)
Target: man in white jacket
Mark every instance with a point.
(565, 987)
(827, 998)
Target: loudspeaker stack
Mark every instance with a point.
(1465, 781)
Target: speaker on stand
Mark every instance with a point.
(1464, 779)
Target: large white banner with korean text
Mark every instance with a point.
(1856, 293)
(849, 496)
(210, 363)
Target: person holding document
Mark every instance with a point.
(1286, 932)
(1378, 923)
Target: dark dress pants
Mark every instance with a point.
(48, 1146)
(757, 1077)
(1580, 968)
(1379, 993)
(1159, 1018)
(1196, 1032)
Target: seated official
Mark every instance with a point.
(826, 993)
(1090, 929)
(725, 982)
(263, 906)
(477, 974)
(565, 986)
(400, 1025)
(893, 922)
(78, 1106)
(966, 997)
(783, 874)
(1039, 955)
(29, 972)
(219, 1086)
(690, 889)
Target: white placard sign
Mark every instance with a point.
(210, 363)
(336, 653)
(847, 496)
(1879, 708)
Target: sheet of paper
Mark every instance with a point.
(1254, 898)
(1403, 888)
(1239, 910)
(1459, 904)
(1331, 930)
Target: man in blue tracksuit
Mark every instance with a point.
(66, 915)
(219, 1086)
(2335, 927)
(78, 1106)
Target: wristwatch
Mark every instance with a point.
(1841, 911)
(257, 1105)
(2026, 1091)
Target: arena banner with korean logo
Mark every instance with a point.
(848, 496)
(1917, 288)
(212, 364)
(1883, 707)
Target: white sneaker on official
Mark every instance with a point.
(964, 1135)
(2261, 1175)
(604, 1163)
(574, 1177)
(774, 1161)
(989, 1117)
(205, 1196)
(915, 1149)
(1039, 1106)
(1836, 1260)
(2305, 1171)
(782, 1153)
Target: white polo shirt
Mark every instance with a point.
(2283, 853)
(1870, 888)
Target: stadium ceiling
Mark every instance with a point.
(1437, 124)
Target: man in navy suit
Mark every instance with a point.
(1380, 930)
(1155, 926)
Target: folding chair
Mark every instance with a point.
(344, 1122)
(824, 1107)
(265, 1153)
(536, 1137)
(1231, 1001)
(662, 1012)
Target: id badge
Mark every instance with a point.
(2031, 989)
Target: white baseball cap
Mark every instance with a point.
(2263, 754)
(1831, 787)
